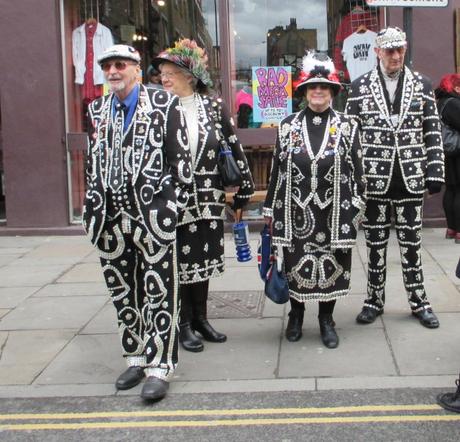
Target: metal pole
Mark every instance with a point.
(407, 20)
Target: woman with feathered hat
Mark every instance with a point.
(200, 232)
(315, 198)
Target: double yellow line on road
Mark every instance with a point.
(177, 418)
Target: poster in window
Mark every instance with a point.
(272, 92)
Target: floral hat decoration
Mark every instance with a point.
(188, 55)
(317, 68)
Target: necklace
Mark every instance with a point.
(317, 120)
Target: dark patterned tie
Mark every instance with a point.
(116, 169)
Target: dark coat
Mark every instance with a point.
(346, 183)
(415, 143)
(450, 116)
(161, 167)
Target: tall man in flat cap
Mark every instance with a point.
(139, 166)
(403, 156)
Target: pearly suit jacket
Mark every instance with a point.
(159, 162)
(345, 191)
(414, 143)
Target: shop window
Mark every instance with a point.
(267, 57)
(148, 25)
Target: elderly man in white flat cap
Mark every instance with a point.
(138, 170)
(403, 156)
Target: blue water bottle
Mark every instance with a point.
(241, 237)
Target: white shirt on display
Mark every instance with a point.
(102, 40)
(358, 53)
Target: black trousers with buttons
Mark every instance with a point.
(407, 209)
(142, 279)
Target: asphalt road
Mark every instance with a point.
(364, 415)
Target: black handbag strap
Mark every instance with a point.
(218, 124)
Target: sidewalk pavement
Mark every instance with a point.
(58, 332)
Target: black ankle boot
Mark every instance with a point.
(188, 339)
(328, 333)
(200, 314)
(294, 325)
(205, 329)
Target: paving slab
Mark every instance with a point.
(13, 276)
(53, 313)
(23, 241)
(11, 297)
(104, 322)
(272, 310)
(251, 352)
(8, 259)
(88, 272)
(422, 351)
(73, 289)
(26, 354)
(54, 253)
(14, 251)
(92, 257)
(362, 352)
(87, 359)
(239, 278)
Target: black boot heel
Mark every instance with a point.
(205, 329)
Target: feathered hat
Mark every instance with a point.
(317, 68)
(188, 55)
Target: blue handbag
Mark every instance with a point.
(265, 255)
(276, 286)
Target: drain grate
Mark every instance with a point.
(236, 304)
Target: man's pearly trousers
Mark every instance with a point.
(143, 282)
(408, 222)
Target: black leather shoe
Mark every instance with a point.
(154, 389)
(205, 329)
(130, 378)
(368, 315)
(450, 401)
(189, 340)
(328, 333)
(427, 318)
(294, 326)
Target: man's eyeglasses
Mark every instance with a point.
(119, 65)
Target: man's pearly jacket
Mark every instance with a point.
(159, 163)
(412, 143)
